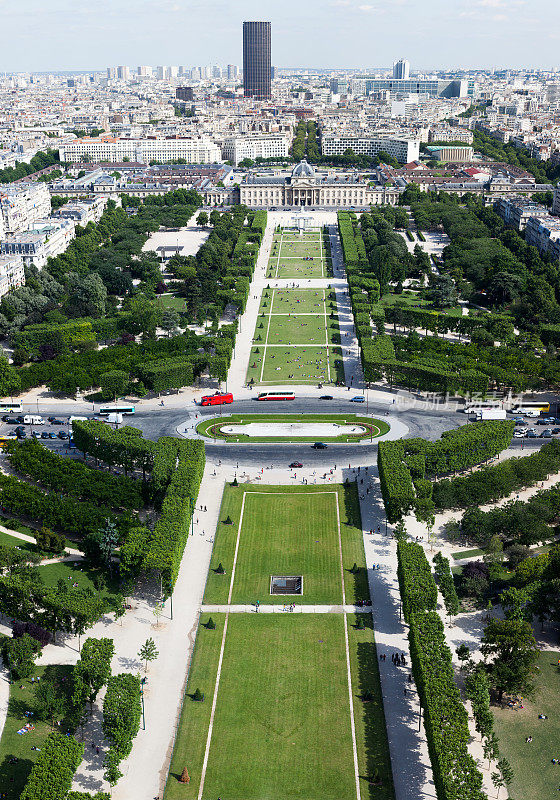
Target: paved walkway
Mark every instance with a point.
(285, 608)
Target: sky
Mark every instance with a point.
(42, 35)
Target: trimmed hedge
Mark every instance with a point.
(170, 373)
(165, 549)
(499, 480)
(397, 489)
(122, 710)
(446, 584)
(30, 458)
(52, 774)
(416, 582)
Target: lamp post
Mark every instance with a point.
(142, 682)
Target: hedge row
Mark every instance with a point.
(446, 584)
(52, 774)
(122, 710)
(170, 373)
(53, 511)
(416, 582)
(125, 447)
(397, 488)
(456, 775)
(405, 464)
(497, 481)
(165, 549)
(30, 458)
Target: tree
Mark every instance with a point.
(93, 670)
(202, 219)
(114, 383)
(50, 700)
(504, 775)
(512, 646)
(100, 545)
(20, 655)
(442, 291)
(148, 652)
(143, 317)
(86, 296)
(169, 320)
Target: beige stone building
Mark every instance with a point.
(306, 187)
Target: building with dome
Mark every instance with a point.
(306, 186)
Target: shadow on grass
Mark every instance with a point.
(378, 765)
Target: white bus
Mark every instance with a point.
(484, 405)
(530, 406)
(117, 408)
(276, 396)
(10, 405)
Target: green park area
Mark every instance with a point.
(20, 745)
(289, 531)
(282, 725)
(293, 338)
(298, 256)
(215, 428)
(295, 365)
(535, 776)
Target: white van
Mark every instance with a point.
(31, 419)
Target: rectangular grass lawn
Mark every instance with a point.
(289, 531)
(295, 301)
(282, 723)
(297, 329)
(535, 776)
(298, 268)
(295, 364)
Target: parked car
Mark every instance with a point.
(11, 421)
(45, 435)
(518, 434)
(20, 420)
(358, 399)
(319, 446)
(63, 435)
(532, 435)
(7, 418)
(520, 421)
(555, 431)
(21, 434)
(546, 434)
(52, 435)
(55, 421)
(36, 435)
(296, 465)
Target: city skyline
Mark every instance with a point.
(345, 34)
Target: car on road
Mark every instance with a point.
(546, 434)
(63, 435)
(326, 397)
(319, 446)
(296, 465)
(358, 399)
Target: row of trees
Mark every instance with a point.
(499, 480)
(456, 776)
(74, 478)
(121, 720)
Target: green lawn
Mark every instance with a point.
(12, 541)
(172, 301)
(289, 531)
(535, 777)
(294, 301)
(467, 554)
(298, 268)
(295, 365)
(73, 572)
(213, 427)
(12, 745)
(311, 329)
(282, 724)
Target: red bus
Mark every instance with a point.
(276, 396)
(217, 399)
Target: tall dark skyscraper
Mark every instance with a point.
(256, 60)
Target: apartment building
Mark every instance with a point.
(12, 273)
(453, 153)
(21, 204)
(517, 211)
(193, 149)
(404, 150)
(82, 212)
(236, 148)
(45, 239)
(556, 202)
(544, 234)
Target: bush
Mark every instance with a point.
(52, 774)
